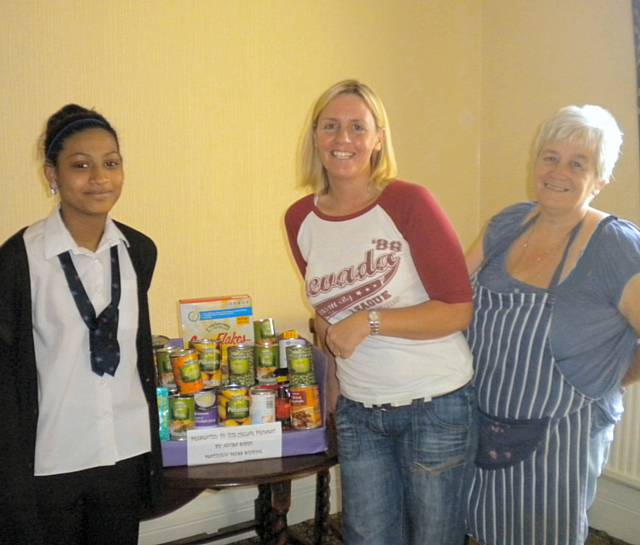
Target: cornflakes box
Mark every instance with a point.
(227, 319)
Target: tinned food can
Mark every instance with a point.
(164, 367)
(206, 409)
(182, 416)
(233, 406)
(306, 413)
(241, 364)
(263, 404)
(209, 354)
(300, 364)
(267, 362)
(186, 370)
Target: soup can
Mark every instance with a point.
(266, 361)
(263, 404)
(233, 406)
(209, 355)
(300, 364)
(206, 409)
(306, 413)
(241, 364)
(186, 370)
(182, 416)
(164, 367)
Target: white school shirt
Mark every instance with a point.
(84, 420)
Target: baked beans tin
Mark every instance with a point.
(241, 364)
(266, 361)
(263, 404)
(186, 370)
(300, 364)
(233, 406)
(306, 413)
(164, 368)
(182, 416)
(209, 355)
(206, 410)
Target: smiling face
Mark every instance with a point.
(565, 176)
(346, 136)
(88, 174)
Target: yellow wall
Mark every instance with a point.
(537, 57)
(209, 98)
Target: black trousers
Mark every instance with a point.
(98, 506)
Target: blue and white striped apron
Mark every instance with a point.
(529, 485)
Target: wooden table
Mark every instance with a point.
(272, 477)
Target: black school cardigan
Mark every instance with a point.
(19, 386)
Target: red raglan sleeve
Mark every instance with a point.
(293, 219)
(434, 244)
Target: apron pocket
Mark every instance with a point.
(504, 442)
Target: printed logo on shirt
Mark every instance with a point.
(375, 272)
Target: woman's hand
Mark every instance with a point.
(342, 338)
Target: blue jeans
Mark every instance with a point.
(403, 470)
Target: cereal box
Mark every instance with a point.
(227, 319)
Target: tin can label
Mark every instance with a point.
(233, 406)
(263, 405)
(241, 364)
(186, 371)
(267, 361)
(306, 413)
(182, 416)
(206, 410)
(209, 354)
(300, 363)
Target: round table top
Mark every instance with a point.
(253, 472)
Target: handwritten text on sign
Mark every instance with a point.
(234, 444)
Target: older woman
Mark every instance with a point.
(384, 271)
(557, 317)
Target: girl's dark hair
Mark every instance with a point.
(67, 121)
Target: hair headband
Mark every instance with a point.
(85, 122)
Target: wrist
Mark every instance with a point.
(374, 318)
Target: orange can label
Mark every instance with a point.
(186, 371)
(306, 413)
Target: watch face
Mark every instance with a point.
(374, 316)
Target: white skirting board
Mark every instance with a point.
(616, 510)
(211, 511)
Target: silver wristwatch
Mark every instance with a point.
(374, 322)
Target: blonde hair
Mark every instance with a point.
(589, 125)
(311, 173)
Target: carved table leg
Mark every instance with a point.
(323, 493)
(262, 510)
(280, 503)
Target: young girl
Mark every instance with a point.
(80, 455)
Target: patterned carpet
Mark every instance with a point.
(305, 531)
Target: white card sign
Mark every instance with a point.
(234, 443)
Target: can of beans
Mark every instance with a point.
(206, 410)
(306, 413)
(165, 369)
(263, 405)
(266, 361)
(186, 370)
(300, 364)
(182, 416)
(241, 364)
(209, 356)
(233, 406)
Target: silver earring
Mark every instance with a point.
(53, 190)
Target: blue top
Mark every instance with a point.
(592, 342)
